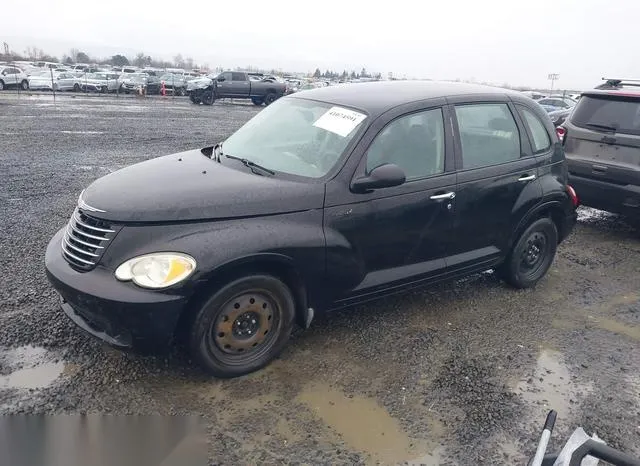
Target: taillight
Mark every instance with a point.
(561, 132)
(573, 195)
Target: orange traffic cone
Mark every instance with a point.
(163, 89)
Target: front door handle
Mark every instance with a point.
(439, 197)
(527, 178)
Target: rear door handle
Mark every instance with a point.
(527, 178)
(439, 197)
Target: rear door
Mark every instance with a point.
(603, 138)
(496, 179)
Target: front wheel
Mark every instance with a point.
(24, 85)
(243, 326)
(1, 85)
(531, 255)
(76, 87)
(207, 98)
(257, 101)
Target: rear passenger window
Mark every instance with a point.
(488, 134)
(541, 141)
(414, 142)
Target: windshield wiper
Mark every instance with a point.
(611, 129)
(250, 164)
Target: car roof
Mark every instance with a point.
(377, 97)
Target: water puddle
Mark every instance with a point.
(621, 328)
(29, 368)
(366, 426)
(550, 386)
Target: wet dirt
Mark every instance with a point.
(436, 376)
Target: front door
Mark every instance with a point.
(395, 236)
(224, 88)
(497, 181)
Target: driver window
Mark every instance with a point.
(414, 142)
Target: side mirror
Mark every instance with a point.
(383, 176)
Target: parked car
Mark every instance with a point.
(325, 199)
(559, 116)
(13, 77)
(602, 143)
(135, 82)
(237, 85)
(175, 84)
(556, 103)
(58, 81)
(535, 95)
(100, 82)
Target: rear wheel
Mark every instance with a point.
(76, 87)
(270, 98)
(243, 326)
(24, 85)
(207, 98)
(531, 255)
(1, 85)
(257, 101)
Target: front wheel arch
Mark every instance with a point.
(276, 265)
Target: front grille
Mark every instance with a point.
(85, 240)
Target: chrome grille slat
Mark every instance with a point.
(84, 240)
(76, 257)
(102, 230)
(69, 245)
(85, 244)
(74, 228)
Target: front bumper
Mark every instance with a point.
(118, 313)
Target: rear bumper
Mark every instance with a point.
(616, 198)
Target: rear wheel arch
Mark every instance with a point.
(552, 210)
(276, 265)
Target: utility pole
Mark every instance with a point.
(553, 77)
(6, 50)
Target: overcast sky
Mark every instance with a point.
(498, 41)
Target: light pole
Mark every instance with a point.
(553, 77)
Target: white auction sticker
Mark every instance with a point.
(339, 120)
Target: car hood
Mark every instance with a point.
(190, 186)
(199, 83)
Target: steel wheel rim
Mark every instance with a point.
(246, 327)
(534, 253)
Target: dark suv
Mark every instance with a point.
(602, 143)
(327, 198)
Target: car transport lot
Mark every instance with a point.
(462, 373)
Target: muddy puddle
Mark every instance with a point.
(551, 386)
(29, 367)
(368, 427)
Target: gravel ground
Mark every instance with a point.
(461, 374)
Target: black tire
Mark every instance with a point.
(207, 98)
(257, 101)
(76, 87)
(270, 98)
(24, 85)
(531, 255)
(243, 326)
(1, 85)
(181, 92)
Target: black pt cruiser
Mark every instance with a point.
(327, 198)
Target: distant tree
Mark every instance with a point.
(67, 60)
(353, 75)
(119, 60)
(317, 73)
(189, 64)
(82, 57)
(344, 75)
(140, 59)
(363, 73)
(178, 61)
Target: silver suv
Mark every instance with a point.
(602, 147)
(12, 76)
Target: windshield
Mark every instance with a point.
(296, 136)
(620, 113)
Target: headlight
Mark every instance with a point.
(158, 270)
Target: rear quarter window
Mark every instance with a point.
(619, 112)
(540, 138)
